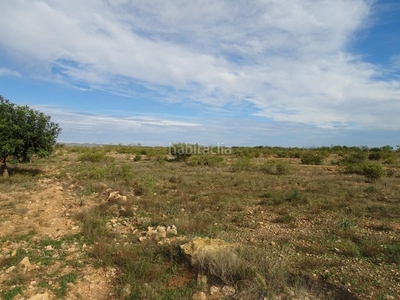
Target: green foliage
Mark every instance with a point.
(392, 252)
(9, 295)
(373, 171)
(285, 219)
(295, 197)
(312, 158)
(24, 132)
(206, 160)
(371, 190)
(354, 162)
(243, 164)
(355, 158)
(181, 151)
(346, 223)
(276, 167)
(92, 156)
(64, 281)
(375, 156)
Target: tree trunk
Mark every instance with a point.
(3, 169)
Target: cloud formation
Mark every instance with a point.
(8, 72)
(287, 60)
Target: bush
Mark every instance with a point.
(356, 168)
(243, 163)
(375, 156)
(182, 151)
(392, 253)
(96, 156)
(355, 158)
(373, 171)
(206, 160)
(283, 168)
(268, 167)
(278, 168)
(312, 158)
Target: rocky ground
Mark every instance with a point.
(43, 254)
(32, 225)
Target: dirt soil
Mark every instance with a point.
(44, 212)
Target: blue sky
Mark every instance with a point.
(273, 72)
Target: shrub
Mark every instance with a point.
(268, 167)
(312, 158)
(278, 168)
(295, 197)
(138, 157)
(392, 253)
(355, 158)
(181, 151)
(90, 156)
(375, 156)
(243, 163)
(373, 171)
(283, 168)
(285, 219)
(206, 160)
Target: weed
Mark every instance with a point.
(295, 197)
(148, 182)
(96, 156)
(63, 284)
(285, 219)
(373, 172)
(392, 253)
(312, 158)
(346, 223)
(371, 190)
(283, 168)
(206, 160)
(243, 164)
(10, 294)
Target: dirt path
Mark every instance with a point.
(36, 222)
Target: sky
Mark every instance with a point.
(293, 73)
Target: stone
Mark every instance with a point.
(202, 281)
(161, 232)
(26, 263)
(172, 230)
(115, 196)
(44, 296)
(126, 291)
(228, 291)
(199, 296)
(10, 269)
(156, 233)
(198, 248)
(214, 289)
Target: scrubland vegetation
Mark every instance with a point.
(322, 223)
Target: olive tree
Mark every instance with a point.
(24, 132)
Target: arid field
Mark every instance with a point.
(134, 222)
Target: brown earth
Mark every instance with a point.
(44, 212)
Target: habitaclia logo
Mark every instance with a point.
(192, 149)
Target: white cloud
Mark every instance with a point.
(288, 59)
(8, 72)
(395, 61)
(80, 120)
